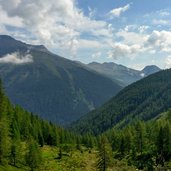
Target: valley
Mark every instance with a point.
(30, 143)
(130, 131)
(85, 85)
(55, 88)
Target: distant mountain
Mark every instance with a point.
(151, 69)
(142, 100)
(121, 74)
(55, 88)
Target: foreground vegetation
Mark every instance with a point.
(29, 143)
(145, 145)
(71, 161)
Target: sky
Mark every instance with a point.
(133, 33)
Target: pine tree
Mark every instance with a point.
(15, 154)
(163, 144)
(139, 137)
(4, 128)
(4, 141)
(105, 154)
(33, 156)
(122, 148)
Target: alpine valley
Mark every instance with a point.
(58, 89)
(85, 85)
(143, 100)
(116, 118)
(55, 88)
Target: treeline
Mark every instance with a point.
(147, 146)
(22, 135)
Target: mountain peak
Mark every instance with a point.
(2, 37)
(9, 45)
(41, 48)
(150, 69)
(94, 63)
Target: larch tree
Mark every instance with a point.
(104, 155)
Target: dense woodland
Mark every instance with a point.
(144, 145)
(20, 130)
(29, 143)
(142, 100)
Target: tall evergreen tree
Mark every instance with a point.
(15, 153)
(4, 128)
(33, 156)
(105, 155)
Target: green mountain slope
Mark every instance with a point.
(144, 100)
(29, 143)
(55, 88)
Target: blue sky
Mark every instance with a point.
(133, 33)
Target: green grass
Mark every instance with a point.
(71, 161)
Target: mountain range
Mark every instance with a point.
(122, 74)
(55, 88)
(142, 100)
(62, 91)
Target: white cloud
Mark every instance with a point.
(16, 58)
(160, 40)
(57, 24)
(110, 55)
(120, 50)
(164, 13)
(131, 44)
(12, 21)
(96, 55)
(132, 27)
(160, 14)
(143, 28)
(160, 22)
(142, 75)
(156, 41)
(130, 37)
(168, 62)
(63, 27)
(89, 44)
(116, 12)
(92, 12)
(2, 29)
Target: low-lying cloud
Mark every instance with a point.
(16, 58)
(168, 62)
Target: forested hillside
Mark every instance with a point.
(145, 145)
(23, 136)
(85, 85)
(144, 100)
(55, 88)
(29, 143)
